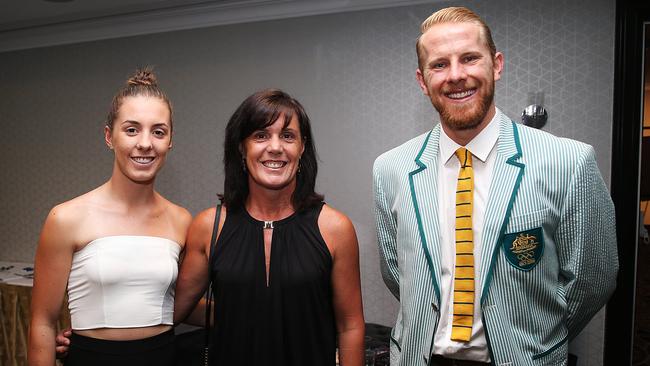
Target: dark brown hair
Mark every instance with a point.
(142, 83)
(256, 112)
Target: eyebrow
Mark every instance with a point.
(436, 61)
(266, 129)
(472, 53)
(132, 122)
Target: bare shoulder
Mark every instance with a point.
(74, 211)
(334, 221)
(180, 214)
(200, 231)
(64, 223)
(62, 216)
(204, 221)
(337, 230)
(205, 218)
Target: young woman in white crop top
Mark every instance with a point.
(116, 247)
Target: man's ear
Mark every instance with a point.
(420, 78)
(497, 65)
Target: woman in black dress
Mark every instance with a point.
(285, 266)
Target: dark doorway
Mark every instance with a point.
(641, 336)
(625, 333)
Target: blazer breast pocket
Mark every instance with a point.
(523, 242)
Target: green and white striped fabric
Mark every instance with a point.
(549, 258)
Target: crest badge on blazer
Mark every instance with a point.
(524, 249)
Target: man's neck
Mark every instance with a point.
(463, 136)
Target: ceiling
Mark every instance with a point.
(24, 14)
(28, 24)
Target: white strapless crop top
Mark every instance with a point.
(123, 282)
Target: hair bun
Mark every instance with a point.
(144, 76)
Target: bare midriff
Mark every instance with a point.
(124, 334)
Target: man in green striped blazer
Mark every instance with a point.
(537, 257)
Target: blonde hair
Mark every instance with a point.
(455, 14)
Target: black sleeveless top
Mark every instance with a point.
(290, 322)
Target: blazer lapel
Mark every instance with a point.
(423, 183)
(506, 178)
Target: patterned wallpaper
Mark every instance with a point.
(355, 74)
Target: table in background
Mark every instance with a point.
(15, 296)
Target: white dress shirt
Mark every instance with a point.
(483, 158)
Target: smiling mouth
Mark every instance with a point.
(142, 159)
(461, 94)
(274, 164)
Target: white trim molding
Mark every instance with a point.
(192, 16)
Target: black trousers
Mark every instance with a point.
(154, 351)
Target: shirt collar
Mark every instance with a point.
(480, 146)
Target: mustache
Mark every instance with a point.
(464, 87)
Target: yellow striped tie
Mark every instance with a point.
(461, 329)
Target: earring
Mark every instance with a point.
(299, 164)
(243, 164)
